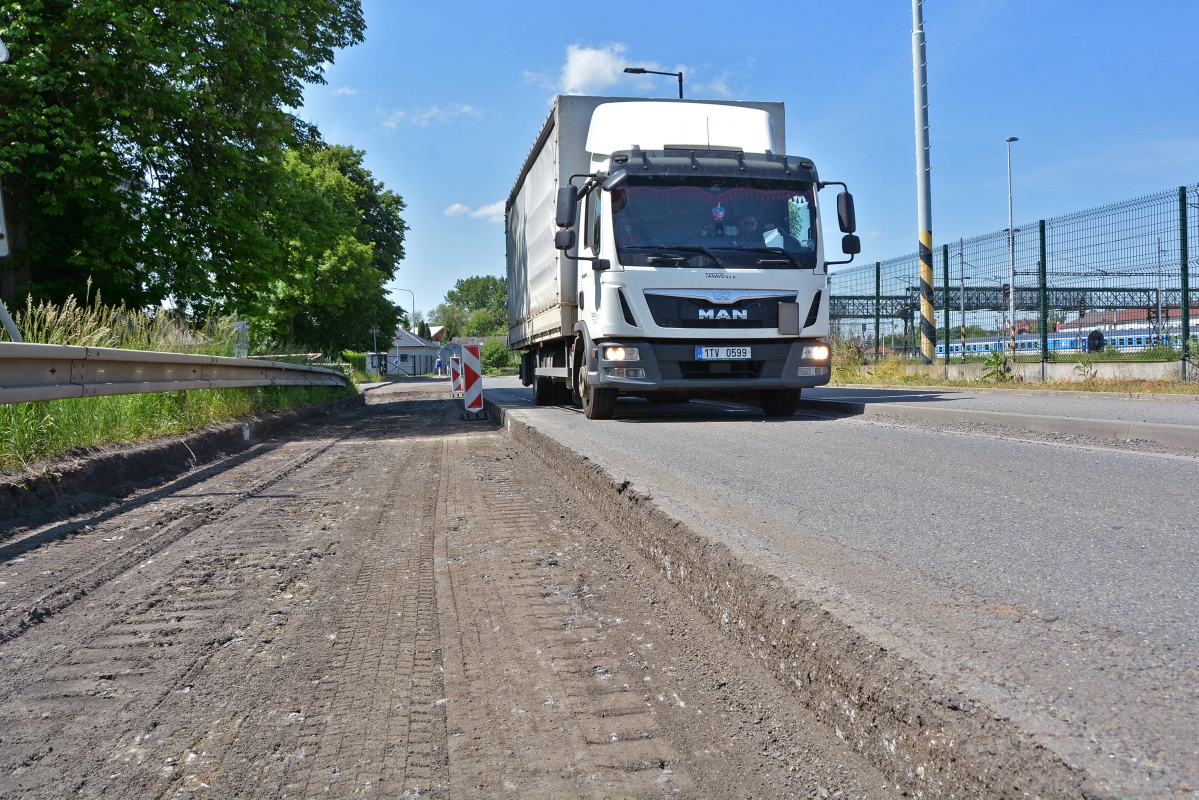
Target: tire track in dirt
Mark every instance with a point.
(165, 528)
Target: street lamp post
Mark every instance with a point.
(642, 71)
(410, 292)
(1011, 247)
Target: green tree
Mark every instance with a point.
(140, 142)
(326, 281)
(495, 356)
(331, 184)
(454, 318)
(480, 292)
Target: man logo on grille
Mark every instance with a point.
(722, 314)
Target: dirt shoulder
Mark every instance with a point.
(396, 603)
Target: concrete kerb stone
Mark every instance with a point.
(1183, 437)
(926, 735)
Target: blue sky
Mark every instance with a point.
(445, 98)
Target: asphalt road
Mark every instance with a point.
(1055, 583)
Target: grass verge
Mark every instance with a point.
(31, 432)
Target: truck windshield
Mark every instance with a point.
(715, 223)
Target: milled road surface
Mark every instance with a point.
(1054, 584)
(394, 603)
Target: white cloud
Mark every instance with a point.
(492, 212)
(391, 120)
(345, 90)
(590, 68)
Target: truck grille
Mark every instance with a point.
(712, 370)
(687, 312)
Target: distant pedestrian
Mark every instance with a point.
(439, 366)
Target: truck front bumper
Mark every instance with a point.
(671, 366)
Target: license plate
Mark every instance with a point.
(722, 354)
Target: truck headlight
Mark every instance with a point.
(620, 353)
(816, 352)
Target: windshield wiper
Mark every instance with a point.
(686, 248)
(790, 258)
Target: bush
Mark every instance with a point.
(496, 357)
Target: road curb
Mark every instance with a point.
(1183, 437)
(886, 705)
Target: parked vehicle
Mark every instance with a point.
(667, 250)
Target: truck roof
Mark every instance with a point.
(574, 114)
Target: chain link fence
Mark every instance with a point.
(1109, 283)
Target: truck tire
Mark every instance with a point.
(780, 402)
(598, 402)
(543, 390)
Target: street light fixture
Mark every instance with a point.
(643, 71)
(410, 292)
(1011, 247)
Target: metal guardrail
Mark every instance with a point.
(30, 372)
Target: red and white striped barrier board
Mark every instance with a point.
(455, 376)
(472, 375)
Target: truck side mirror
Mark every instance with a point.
(616, 180)
(564, 239)
(568, 207)
(845, 214)
(851, 245)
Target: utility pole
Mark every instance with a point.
(1011, 247)
(928, 330)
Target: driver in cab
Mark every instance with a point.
(747, 234)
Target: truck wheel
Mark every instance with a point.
(780, 402)
(598, 402)
(543, 390)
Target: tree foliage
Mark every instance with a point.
(147, 146)
(476, 306)
(340, 238)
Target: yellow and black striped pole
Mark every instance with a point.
(928, 327)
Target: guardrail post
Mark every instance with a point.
(1185, 304)
(878, 302)
(945, 269)
(1042, 281)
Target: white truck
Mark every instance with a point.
(668, 250)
